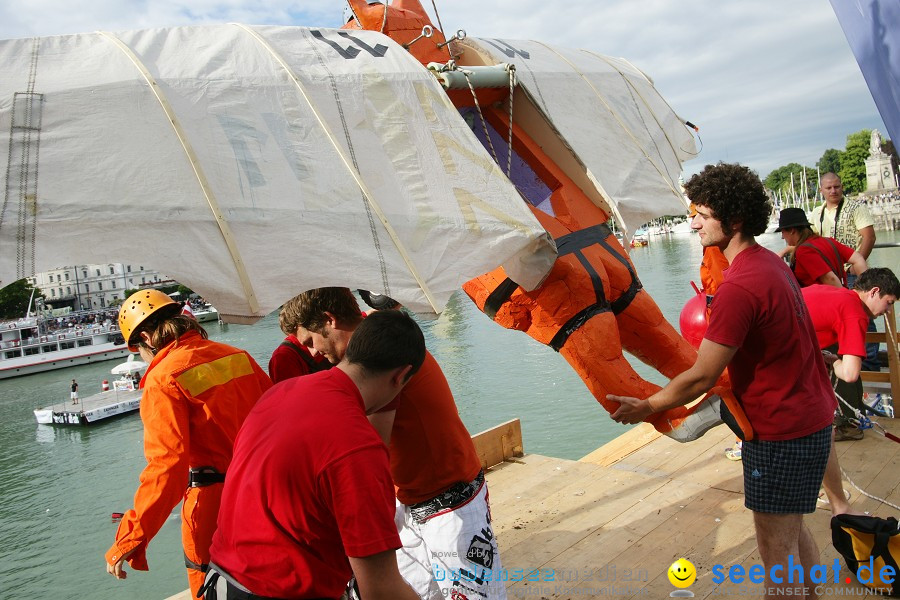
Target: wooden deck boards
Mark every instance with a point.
(612, 523)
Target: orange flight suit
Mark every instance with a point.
(196, 395)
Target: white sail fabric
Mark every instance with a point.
(629, 140)
(250, 164)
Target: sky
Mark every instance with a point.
(768, 82)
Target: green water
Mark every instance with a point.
(58, 486)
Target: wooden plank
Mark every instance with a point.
(624, 445)
(574, 511)
(499, 443)
(875, 376)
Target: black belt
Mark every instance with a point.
(450, 499)
(204, 476)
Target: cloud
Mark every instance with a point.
(768, 82)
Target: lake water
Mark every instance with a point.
(58, 486)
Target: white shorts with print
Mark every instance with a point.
(453, 554)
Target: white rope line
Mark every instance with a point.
(194, 162)
(367, 193)
(859, 417)
(867, 494)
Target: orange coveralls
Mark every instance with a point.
(196, 395)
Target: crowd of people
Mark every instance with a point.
(885, 207)
(82, 320)
(353, 476)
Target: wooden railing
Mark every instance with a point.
(890, 339)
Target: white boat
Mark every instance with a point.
(123, 398)
(206, 313)
(29, 345)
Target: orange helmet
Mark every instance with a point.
(136, 309)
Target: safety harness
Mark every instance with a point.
(575, 243)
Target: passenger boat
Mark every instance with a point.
(29, 345)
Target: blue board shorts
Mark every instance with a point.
(785, 476)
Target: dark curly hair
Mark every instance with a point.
(734, 194)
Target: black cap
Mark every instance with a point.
(792, 218)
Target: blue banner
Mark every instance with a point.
(872, 28)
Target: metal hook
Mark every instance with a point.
(460, 35)
(427, 32)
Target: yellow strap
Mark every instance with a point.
(201, 378)
(367, 194)
(225, 230)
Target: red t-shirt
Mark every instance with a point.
(431, 449)
(309, 485)
(294, 360)
(809, 263)
(839, 318)
(778, 373)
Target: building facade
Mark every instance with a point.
(90, 287)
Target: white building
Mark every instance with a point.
(88, 287)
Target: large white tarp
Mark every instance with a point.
(629, 140)
(251, 163)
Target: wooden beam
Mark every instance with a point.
(500, 443)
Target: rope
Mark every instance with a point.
(511, 68)
(481, 115)
(864, 422)
(441, 27)
(384, 16)
(867, 494)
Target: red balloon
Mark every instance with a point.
(692, 321)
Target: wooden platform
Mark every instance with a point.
(91, 409)
(612, 523)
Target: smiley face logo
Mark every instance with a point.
(682, 573)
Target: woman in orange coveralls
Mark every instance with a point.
(196, 396)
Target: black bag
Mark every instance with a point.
(869, 543)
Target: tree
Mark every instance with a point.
(780, 179)
(15, 297)
(830, 161)
(853, 162)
